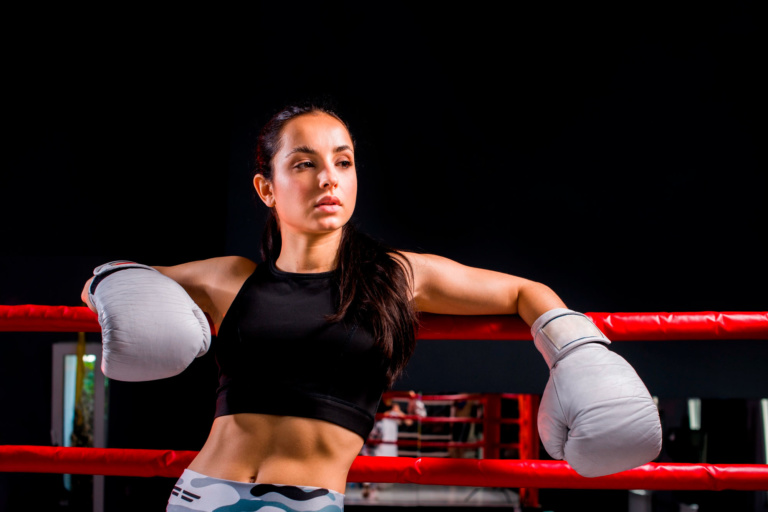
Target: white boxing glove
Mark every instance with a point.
(595, 412)
(151, 328)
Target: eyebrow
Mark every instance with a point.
(307, 149)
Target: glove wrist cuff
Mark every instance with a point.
(560, 330)
(106, 269)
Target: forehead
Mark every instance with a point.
(316, 130)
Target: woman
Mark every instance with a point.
(308, 339)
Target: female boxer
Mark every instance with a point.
(308, 339)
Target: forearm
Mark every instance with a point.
(534, 299)
(84, 295)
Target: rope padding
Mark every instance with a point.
(422, 470)
(702, 325)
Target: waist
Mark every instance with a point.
(297, 403)
(278, 450)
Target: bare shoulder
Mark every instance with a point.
(419, 267)
(233, 267)
(209, 272)
(424, 263)
(409, 261)
(212, 283)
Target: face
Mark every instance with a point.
(314, 181)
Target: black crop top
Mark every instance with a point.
(277, 354)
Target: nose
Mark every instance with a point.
(329, 178)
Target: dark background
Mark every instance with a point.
(613, 153)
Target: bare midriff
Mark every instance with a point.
(287, 450)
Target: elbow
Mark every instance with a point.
(84, 295)
(535, 299)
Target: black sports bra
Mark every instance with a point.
(278, 355)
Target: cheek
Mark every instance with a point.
(289, 191)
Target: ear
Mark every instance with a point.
(264, 189)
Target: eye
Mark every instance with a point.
(345, 164)
(304, 165)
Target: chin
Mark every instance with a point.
(330, 228)
(331, 225)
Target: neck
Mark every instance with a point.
(308, 254)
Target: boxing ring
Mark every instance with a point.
(527, 473)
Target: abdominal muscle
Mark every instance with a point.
(287, 450)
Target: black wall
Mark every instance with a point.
(612, 153)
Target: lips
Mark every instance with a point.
(328, 201)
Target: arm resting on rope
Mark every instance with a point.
(595, 412)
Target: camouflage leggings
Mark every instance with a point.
(194, 492)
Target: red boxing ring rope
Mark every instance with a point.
(703, 325)
(422, 470)
(428, 470)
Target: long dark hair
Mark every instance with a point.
(373, 283)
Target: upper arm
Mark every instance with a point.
(441, 285)
(212, 283)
